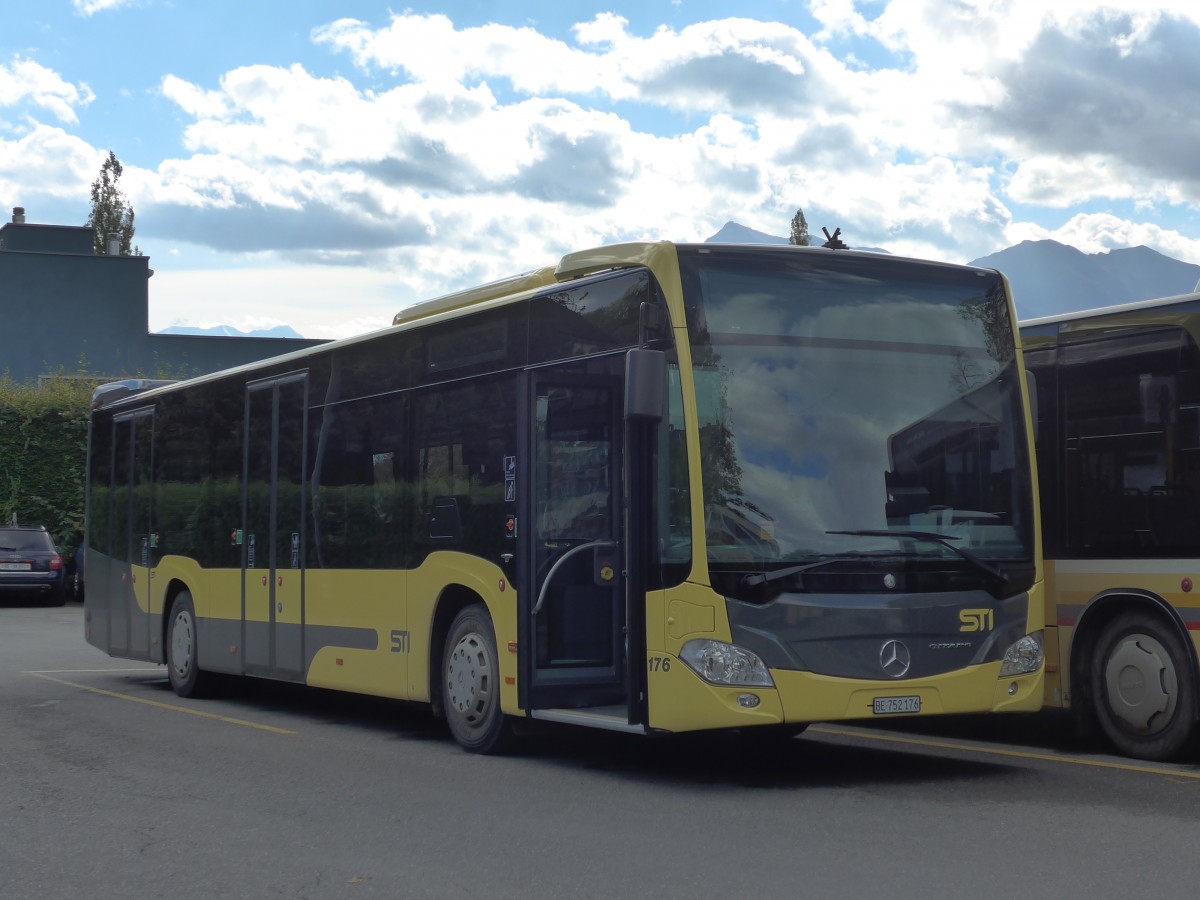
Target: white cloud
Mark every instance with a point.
(449, 155)
(91, 7)
(47, 162)
(703, 67)
(24, 80)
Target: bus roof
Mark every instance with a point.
(1133, 307)
(516, 284)
(592, 261)
(572, 266)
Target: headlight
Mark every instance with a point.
(1023, 657)
(722, 663)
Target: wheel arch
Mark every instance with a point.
(453, 599)
(1097, 613)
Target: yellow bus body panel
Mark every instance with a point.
(369, 600)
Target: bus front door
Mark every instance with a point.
(273, 514)
(572, 602)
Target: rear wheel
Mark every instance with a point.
(183, 668)
(1144, 688)
(471, 683)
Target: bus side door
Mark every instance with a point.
(571, 537)
(273, 504)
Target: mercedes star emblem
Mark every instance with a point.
(895, 659)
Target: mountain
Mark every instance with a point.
(279, 331)
(733, 233)
(1048, 278)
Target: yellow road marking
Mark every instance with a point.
(157, 670)
(229, 720)
(1000, 751)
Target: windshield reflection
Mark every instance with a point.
(860, 396)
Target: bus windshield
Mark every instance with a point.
(850, 407)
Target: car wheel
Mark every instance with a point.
(183, 667)
(1144, 688)
(471, 683)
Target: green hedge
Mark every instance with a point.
(43, 455)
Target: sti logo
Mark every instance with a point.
(976, 619)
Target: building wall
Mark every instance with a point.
(64, 309)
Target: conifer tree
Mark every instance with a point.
(799, 235)
(111, 212)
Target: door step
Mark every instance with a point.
(610, 718)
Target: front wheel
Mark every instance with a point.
(183, 668)
(1144, 688)
(471, 683)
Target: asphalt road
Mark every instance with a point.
(113, 787)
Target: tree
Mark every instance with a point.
(799, 230)
(111, 212)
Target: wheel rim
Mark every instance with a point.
(469, 681)
(1141, 684)
(181, 644)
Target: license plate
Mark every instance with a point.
(14, 567)
(885, 706)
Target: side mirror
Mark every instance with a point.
(646, 385)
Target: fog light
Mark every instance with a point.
(748, 700)
(1012, 689)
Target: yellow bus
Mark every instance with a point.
(652, 488)
(1118, 451)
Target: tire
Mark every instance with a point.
(183, 670)
(1144, 688)
(56, 597)
(471, 683)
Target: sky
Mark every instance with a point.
(325, 164)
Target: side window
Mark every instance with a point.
(100, 491)
(488, 341)
(594, 316)
(1132, 476)
(121, 491)
(185, 514)
(463, 434)
(361, 495)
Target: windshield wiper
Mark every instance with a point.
(776, 574)
(932, 537)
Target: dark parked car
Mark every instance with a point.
(30, 565)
